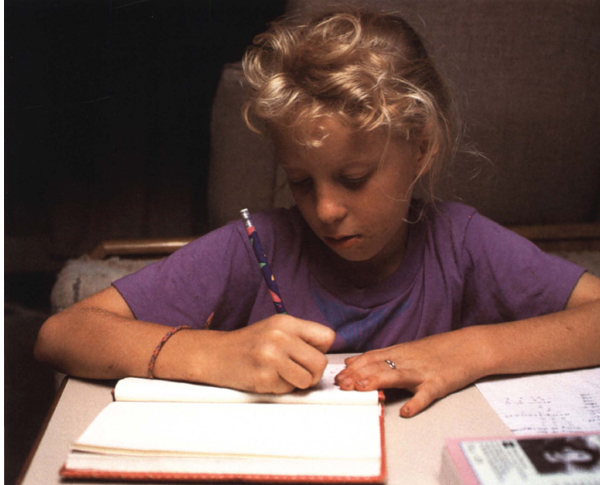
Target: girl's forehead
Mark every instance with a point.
(327, 134)
(337, 149)
(344, 150)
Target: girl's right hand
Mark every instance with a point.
(99, 338)
(276, 355)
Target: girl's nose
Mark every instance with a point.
(329, 208)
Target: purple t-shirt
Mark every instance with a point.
(460, 269)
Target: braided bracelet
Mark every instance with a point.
(158, 348)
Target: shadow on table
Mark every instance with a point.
(28, 387)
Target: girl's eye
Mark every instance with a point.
(355, 182)
(300, 184)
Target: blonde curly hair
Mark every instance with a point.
(369, 70)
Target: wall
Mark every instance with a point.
(107, 104)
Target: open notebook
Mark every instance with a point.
(163, 430)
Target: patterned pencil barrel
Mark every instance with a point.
(262, 262)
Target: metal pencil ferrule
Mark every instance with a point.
(246, 216)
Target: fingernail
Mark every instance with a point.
(346, 382)
(405, 412)
(363, 383)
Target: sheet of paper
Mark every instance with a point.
(325, 392)
(557, 402)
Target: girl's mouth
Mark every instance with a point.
(342, 242)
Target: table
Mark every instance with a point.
(413, 446)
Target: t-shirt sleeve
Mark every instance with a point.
(508, 278)
(210, 275)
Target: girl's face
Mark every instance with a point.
(354, 200)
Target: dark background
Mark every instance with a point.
(107, 109)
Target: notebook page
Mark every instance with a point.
(295, 430)
(325, 392)
(233, 467)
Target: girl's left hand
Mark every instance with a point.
(430, 368)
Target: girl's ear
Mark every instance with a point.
(425, 154)
(423, 159)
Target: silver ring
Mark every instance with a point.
(391, 364)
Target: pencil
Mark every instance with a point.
(261, 256)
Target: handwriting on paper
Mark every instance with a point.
(557, 402)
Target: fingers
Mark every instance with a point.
(305, 349)
(420, 401)
(298, 377)
(380, 375)
(288, 373)
(376, 375)
(285, 353)
(378, 370)
(368, 363)
(318, 336)
(309, 360)
(282, 374)
(348, 361)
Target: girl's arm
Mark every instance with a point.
(100, 338)
(435, 366)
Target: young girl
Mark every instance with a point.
(432, 296)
